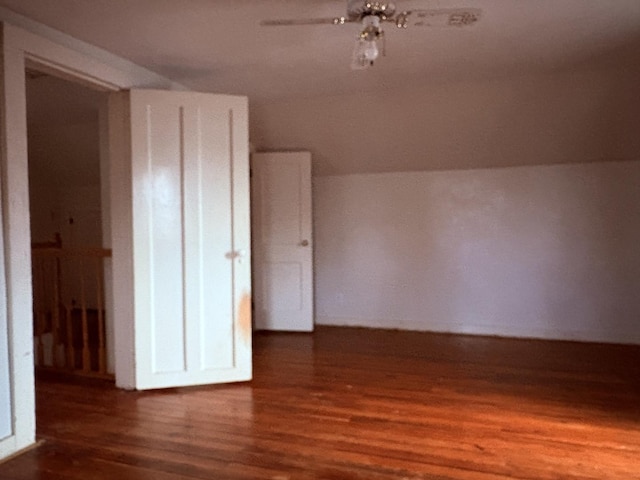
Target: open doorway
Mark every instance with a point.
(71, 262)
(47, 51)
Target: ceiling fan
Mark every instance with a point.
(370, 42)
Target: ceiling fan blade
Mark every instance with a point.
(441, 17)
(305, 21)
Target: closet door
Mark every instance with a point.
(189, 242)
(282, 241)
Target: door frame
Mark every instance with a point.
(31, 45)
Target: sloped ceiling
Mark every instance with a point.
(533, 82)
(218, 46)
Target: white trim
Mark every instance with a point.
(39, 42)
(122, 240)
(105, 212)
(17, 254)
(508, 331)
(52, 51)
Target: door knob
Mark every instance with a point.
(236, 254)
(304, 243)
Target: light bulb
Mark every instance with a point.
(366, 49)
(370, 50)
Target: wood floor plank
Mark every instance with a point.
(355, 404)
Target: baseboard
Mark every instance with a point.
(21, 451)
(510, 331)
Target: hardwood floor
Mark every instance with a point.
(359, 404)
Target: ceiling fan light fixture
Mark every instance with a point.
(370, 22)
(366, 49)
(370, 14)
(371, 50)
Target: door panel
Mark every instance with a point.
(191, 238)
(215, 192)
(283, 283)
(283, 251)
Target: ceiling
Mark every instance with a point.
(218, 46)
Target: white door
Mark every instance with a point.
(181, 239)
(282, 241)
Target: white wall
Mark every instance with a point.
(44, 209)
(53, 200)
(475, 245)
(542, 251)
(64, 159)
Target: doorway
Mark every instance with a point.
(71, 263)
(51, 52)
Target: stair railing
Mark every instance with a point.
(69, 308)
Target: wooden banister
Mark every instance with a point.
(68, 296)
(73, 252)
